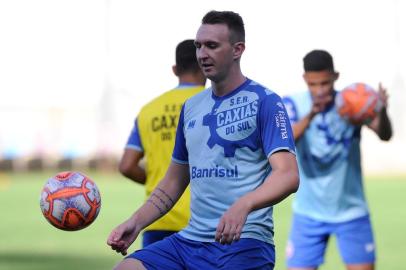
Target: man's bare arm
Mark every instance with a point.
(162, 199)
(130, 165)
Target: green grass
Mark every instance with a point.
(28, 241)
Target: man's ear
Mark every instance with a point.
(239, 48)
(304, 76)
(336, 75)
(175, 70)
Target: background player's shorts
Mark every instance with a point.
(177, 252)
(308, 240)
(150, 237)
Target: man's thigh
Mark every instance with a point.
(355, 241)
(307, 243)
(130, 264)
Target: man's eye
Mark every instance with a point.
(198, 45)
(211, 45)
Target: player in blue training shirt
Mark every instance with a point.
(330, 199)
(235, 147)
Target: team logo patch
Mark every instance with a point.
(233, 122)
(191, 124)
(281, 123)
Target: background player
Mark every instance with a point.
(235, 144)
(330, 199)
(153, 136)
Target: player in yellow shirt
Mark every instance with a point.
(153, 136)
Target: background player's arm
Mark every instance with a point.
(381, 124)
(130, 165)
(283, 180)
(161, 200)
(300, 126)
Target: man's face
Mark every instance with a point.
(214, 51)
(320, 83)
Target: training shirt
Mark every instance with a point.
(328, 155)
(226, 141)
(154, 134)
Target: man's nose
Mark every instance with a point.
(201, 53)
(322, 90)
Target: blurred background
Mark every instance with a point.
(75, 73)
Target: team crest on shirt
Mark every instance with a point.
(233, 122)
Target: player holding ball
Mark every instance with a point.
(330, 199)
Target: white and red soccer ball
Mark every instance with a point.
(358, 103)
(70, 201)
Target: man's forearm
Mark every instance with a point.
(163, 198)
(130, 166)
(158, 204)
(136, 174)
(300, 127)
(385, 126)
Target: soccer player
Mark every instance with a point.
(153, 136)
(235, 146)
(330, 199)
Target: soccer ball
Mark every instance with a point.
(70, 201)
(358, 103)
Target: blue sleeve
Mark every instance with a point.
(276, 132)
(134, 141)
(291, 109)
(180, 153)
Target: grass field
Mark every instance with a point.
(27, 241)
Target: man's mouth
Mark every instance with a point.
(206, 66)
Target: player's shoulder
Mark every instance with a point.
(297, 104)
(152, 107)
(180, 94)
(262, 90)
(175, 95)
(297, 96)
(265, 94)
(156, 99)
(198, 97)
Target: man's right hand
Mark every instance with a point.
(121, 238)
(320, 103)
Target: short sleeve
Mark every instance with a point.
(134, 141)
(291, 109)
(180, 153)
(275, 130)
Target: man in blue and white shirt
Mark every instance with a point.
(235, 147)
(330, 200)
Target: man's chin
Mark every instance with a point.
(212, 77)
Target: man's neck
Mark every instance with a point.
(191, 79)
(228, 85)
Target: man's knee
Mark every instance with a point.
(130, 264)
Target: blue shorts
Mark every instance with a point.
(308, 240)
(176, 252)
(150, 237)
